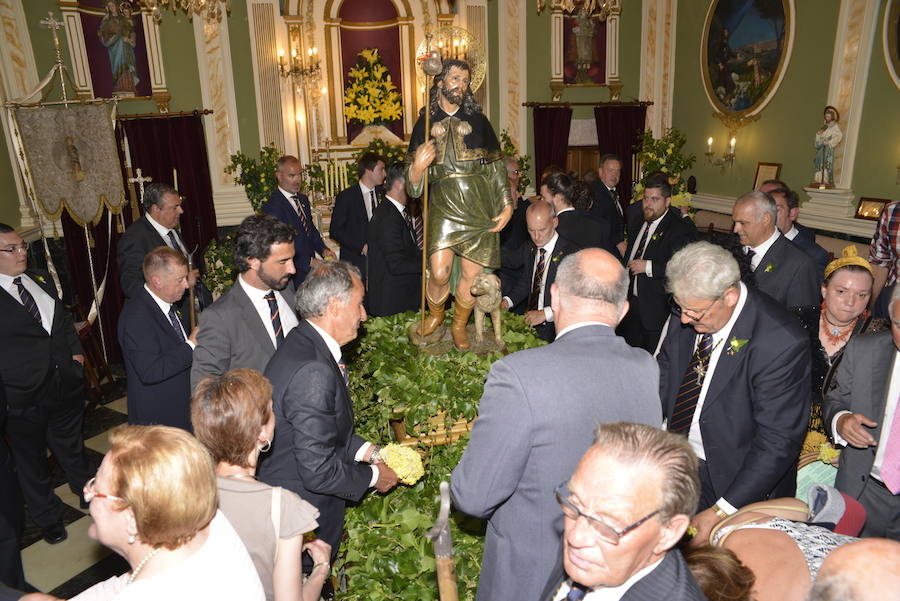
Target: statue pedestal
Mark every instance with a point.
(371, 132)
(832, 209)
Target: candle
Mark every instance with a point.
(175, 178)
(324, 90)
(709, 145)
(731, 149)
(281, 56)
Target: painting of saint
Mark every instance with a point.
(116, 49)
(116, 33)
(584, 51)
(745, 51)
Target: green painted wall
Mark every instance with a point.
(786, 130)
(875, 173)
(9, 203)
(538, 60)
(242, 69)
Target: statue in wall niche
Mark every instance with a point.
(117, 34)
(827, 138)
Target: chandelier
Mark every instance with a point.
(211, 9)
(591, 9)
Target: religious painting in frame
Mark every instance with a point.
(116, 49)
(765, 172)
(745, 49)
(870, 208)
(584, 51)
(891, 39)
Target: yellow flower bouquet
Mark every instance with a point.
(405, 461)
(370, 96)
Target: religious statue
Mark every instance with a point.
(469, 195)
(827, 138)
(117, 33)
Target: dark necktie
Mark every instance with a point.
(538, 280)
(344, 372)
(373, 201)
(750, 254)
(174, 241)
(642, 246)
(176, 323)
(615, 198)
(301, 212)
(27, 300)
(276, 318)
(419, 231)
(576, 593)
(691, 384)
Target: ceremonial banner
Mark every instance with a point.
(72, 160)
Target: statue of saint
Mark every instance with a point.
(827, 138)
(469, 200)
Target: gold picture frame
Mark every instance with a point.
(870, 208)
(891, 39)
(765, 172)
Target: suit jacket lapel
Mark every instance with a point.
(161, 318)
(774, 257)
(728, 362)
(251, 315)
(656, 239)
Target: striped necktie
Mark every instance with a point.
(537, 282)
(27, 300)
(176, 323)
(301, 212)
(275, 317)
(344, 372)
(691, 385)
(174, 241)
(419, 231)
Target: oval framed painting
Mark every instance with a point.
(892, 39)
(745, 49)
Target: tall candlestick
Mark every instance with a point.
(731, 149)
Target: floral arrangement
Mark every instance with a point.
(219, 275)
(509, 149)
(370, 96)
(406, 462)
(256, 175)
(665, 154)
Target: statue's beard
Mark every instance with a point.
(455, 96)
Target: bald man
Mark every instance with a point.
(537, 417)
(531, 294)
(862, 571)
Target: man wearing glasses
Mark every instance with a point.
(625, 507)
(41, 371)
(735, 380)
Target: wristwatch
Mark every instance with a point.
(376, 455)
(720, 512)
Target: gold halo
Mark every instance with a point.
(442, 41)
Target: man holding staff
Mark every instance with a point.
(470, 200)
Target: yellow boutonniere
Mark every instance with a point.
(558, 257)
(40, 278)
(770, 268)
(656, 236)
(735, 345)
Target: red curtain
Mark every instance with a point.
(551, 138)
(619, 129)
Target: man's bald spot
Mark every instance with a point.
(598, 263)
(864, 570)
(540, 209)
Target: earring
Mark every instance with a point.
(265, 448)
(131, 539)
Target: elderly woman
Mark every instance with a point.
(232, 416)
(846, 291)
(153, 502)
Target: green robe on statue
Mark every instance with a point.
(468, 183)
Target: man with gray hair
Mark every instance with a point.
(735, 379)
(637, 488)
(781, 268)
(862, 413)
(315, 452)
(537, 417)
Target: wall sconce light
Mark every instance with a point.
(727, 158)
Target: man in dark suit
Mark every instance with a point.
(735, 379)
(862, 414)
(315, 452)
(156, 348)
(651, 243)
(605, 204)
(637, 488)
(575, 225)
(782, 270)
(537, 417)
(157, 227)
(515, 235)
(290, 207)
(395, 261)
(43, 384)
(353, 208)
(245, 325)
(531, 294)
(787, 205)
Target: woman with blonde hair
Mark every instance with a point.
(153, 502)
(232, 416)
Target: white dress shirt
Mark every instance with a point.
(719, 341)
(548, 253)
(402, 210)
(761, 250)
(792, 233)
(257, 297)
(613, 593)
(45, 303)
(163, 232)
(648, 268)
(890, 408)
(335, 349)
(291, 202)
(368, 201)
(164, 307)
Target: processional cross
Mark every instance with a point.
(140, 180)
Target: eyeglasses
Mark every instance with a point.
(601, 529)
(678, 311)
(90, 493)
(16, 248)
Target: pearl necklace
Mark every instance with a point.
(140, 566)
